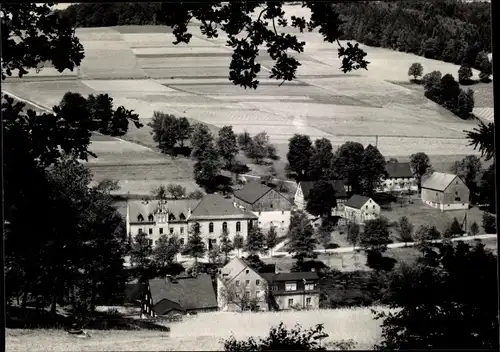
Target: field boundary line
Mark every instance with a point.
(44, 108)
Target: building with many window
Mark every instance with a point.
(213, 212)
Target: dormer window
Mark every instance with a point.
(182, 217)
(140, 218)
(151, 218)
(171, 217)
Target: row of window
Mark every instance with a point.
(151, 217)
(160, 230)
(308, 302)
(289, 286)
(210, 228)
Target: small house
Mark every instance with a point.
(270, 206)
(445, 192)
(399, 178)
(293, 290)
(304, 187)
(359, 209)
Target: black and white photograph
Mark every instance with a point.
(249, 176)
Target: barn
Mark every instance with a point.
(445, 192)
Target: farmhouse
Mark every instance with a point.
(239, 287)
(174, 295)
(175, 217)
(304, 187)
(272, 208)
(399, 178)
(293, 290)
(446, 192)
(358, 209)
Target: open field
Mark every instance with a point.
(199, 333)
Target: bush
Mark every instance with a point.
(464, 75)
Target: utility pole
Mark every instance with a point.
(376, 141)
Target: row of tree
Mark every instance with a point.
(452, 31)
(363, 168)
(446, 91)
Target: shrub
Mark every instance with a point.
(464, 75)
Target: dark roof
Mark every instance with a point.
(214, 206)
(338, 186)
(356, 201)
(190, 292)
(293, 276)
(134, 292)
(165, 306)
(398, 170)
(252, 192)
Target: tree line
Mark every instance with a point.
(448, 30)
(210, 153)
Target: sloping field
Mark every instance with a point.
(192, 81)
(199, 333)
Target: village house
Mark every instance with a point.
(213, 212)
(445, 192)
(304, 187)
(173, 295)
(359, 209)
(271, 207)
(293, 290)
(399, 178)
(239, 287)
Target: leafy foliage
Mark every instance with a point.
(195, 247)
(256, 241)
(302, 238)
(226, 246)
(176, 191)
(470, 170)
(320, 162)
(142, 250)
(375, 235)
(348, 165)
(168, 131)
(416, 70)
(299, 153)
(474, 228)
(489, 223)
(452, 31)
(353, 233)
(487, 188)
(464, 74)
(166, 250)
(238, 242)
(282, 339)
(321, 199)
(433, 311)
(405, 230)
(260, 148)
(420, 165)
(373, 166)
(227, 146)
(483, 138)
(271, 238)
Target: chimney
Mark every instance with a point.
(189, 211)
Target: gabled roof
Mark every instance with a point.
(338, 186)
(214, 206)
(189, 292)
(293, 276)
(398, 170)
(439, 181)
(234, 268)
(172, 207)
(357, 201)
(252, 192)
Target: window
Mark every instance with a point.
(257, 282)
(308, 301)
(211, 227)
(182, 229)
(161, 230)
(457, 199)
(156, 242)
(151, 217)
(140, 218)
(309, 287)
(150, 241)
(274, 288)
(290, 286)
(247, 294)
(182, 217)
(171, 217)
(271, 206)
(238, 226)
(282, 212)
(290, 302)
(373, 206)
(224, 226)
(247, 271)
(247, 282)
(237, 282)
(257, 293)
(150, 231)
(182, 241)
(140, 230)
(171, 230)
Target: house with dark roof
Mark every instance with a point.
(292, 290)
(240, 287)
(175, 295)
(359, 209)
(399, 178)
(213, 212)
(445, 192)
(270, 206)
(304, 187)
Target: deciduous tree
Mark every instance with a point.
(166, 250)
(176, 191)
(226, 246)
(416, 70)
(302, 240)
(353, 234)
(206, 168)
(405, 228)
(255, 242)
(195, 247)
(489, 223)
(375, 235)
(201, 139)
(321, 199)
(348, 164)
(238, 242)
(464, 74)
(165, 131)
(420, 164)
(320, 163)
(373, 166)
(227, 145)
(142, 251)
(299, 154)
(271, 239)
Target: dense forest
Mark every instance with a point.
(448, 30)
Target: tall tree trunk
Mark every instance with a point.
(25, 299)
(53, 305)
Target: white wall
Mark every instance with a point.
(279, 219)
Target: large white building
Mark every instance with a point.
(399, 178)
(214, 213)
